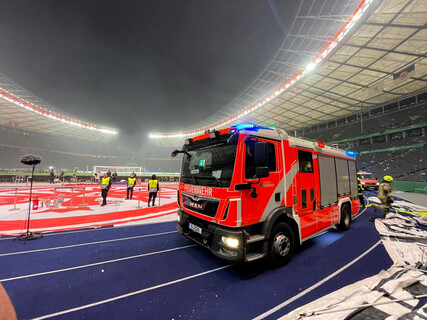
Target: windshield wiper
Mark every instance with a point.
(187, 178)
(194, 178)
(218, 182)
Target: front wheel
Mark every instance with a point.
(345, 220)
(281, 244)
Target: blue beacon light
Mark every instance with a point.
(351, 154)
(249, 127)
(245, 126)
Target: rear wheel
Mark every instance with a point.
(345, 220)
(281, 244)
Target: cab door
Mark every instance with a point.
(306, 193)
(266, 195)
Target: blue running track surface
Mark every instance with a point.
(106, 271)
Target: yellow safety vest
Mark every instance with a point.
(131, 181)
(152, 185)
(105, 182)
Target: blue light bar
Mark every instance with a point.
(351, 154)
(249, 127)
(245, 126)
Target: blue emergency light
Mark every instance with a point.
(350, 153)
(249, 127)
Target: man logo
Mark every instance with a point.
(196, 205)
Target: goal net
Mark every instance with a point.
(118, 169)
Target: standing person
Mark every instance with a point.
(114, 176)
(52, 177)
(131, 185)
(62, 177)
(105, 187)
(384, 194)
(153, 188)
(109, 173)
(360, 191)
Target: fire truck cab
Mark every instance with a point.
(249, 192)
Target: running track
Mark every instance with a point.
(152, 272)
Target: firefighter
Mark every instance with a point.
(384, 194)
(360, 191)
(131, 185)
(153, 188)
(105, 187)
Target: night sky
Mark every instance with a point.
(139, 65)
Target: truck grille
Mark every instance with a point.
(202, 205)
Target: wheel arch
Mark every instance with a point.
(282, 214)
(344, 202)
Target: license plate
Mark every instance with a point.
(195, 228)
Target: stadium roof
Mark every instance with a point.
(326, 69)
(22, 110)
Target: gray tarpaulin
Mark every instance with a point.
(389, 294)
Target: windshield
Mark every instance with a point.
(366, 176)
(209, 165)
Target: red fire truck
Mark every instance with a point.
(249, 192)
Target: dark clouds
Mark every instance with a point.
(139, 65)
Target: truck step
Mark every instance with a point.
(255, 238)
(254, 256)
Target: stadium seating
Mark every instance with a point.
(408, 164)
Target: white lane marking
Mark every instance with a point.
(95, 264)
(90, 305)
(54, 233)
(92, 224)
(86, 244)
(309, 289)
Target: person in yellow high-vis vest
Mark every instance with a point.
(153, 188)
(131, 185)
(105, 187)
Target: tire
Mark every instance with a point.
(345, 220)
(281, 244)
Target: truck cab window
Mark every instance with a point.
(305, 159)
(250, 160)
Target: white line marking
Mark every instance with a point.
(96, 263)
(90, 305)
(309, 289)
(86, 244)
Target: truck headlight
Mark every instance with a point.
(230, 242)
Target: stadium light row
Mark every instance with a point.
(340, 35)
(12, 98)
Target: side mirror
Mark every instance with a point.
(262, 172)
(174, 153)
(260, 154)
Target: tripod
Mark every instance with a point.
(30, 235)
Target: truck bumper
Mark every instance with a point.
(210, 235)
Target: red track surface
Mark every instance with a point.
(90, 215)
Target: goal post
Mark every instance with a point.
(118, 169)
